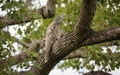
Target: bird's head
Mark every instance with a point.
(59, 19)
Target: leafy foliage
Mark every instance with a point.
(6, 49)
(107, 15)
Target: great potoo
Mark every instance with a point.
(53, 34)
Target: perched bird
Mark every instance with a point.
(53, 33)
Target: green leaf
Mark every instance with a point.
(19, 31)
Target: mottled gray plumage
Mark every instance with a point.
(53, 34)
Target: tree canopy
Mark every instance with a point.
(90, 35)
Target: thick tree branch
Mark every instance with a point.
(98, 37)
(87, 13)
(103, 36)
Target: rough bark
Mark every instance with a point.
(103, 36)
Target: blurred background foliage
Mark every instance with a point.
(101, 56)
